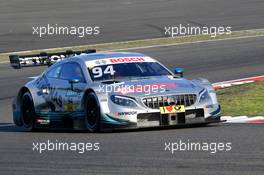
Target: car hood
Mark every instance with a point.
(151, 87)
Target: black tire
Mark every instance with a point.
(27, 112)
(92, 113)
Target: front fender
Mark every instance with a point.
(207, 85)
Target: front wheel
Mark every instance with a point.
(27, 112)
(92, 113)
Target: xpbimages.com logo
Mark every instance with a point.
(79, 31)
(185, 30)
(79, 147)
(187, 145)
(124, 89)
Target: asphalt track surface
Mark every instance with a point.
(142, 152)
(118, 19)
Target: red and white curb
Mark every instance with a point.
(243, 119)
(240, 119)
(225, 84)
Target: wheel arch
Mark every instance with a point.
(23, 90)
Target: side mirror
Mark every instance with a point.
(74, 81)
(179, 71)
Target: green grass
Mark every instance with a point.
(247, 99)
(146, 42)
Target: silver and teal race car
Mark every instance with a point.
(109, 90)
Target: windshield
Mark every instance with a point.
(127, 70)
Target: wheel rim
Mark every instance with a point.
(92, 112)
(27, 111)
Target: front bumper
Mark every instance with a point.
(130, 120)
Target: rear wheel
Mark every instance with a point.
(92, 113)
(27, 111)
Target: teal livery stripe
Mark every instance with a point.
(59, 114)
(107, 119)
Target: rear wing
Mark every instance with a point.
(19, 61)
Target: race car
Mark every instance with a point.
(98, 91)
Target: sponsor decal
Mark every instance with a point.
(125, 113)
(127, 60)
(69, 107)
(117, 60)
(71, 93)
(43, 121)
(172, 109)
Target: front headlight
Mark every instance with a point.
(123, 101)
(204, 97)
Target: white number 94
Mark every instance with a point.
(98, 72)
